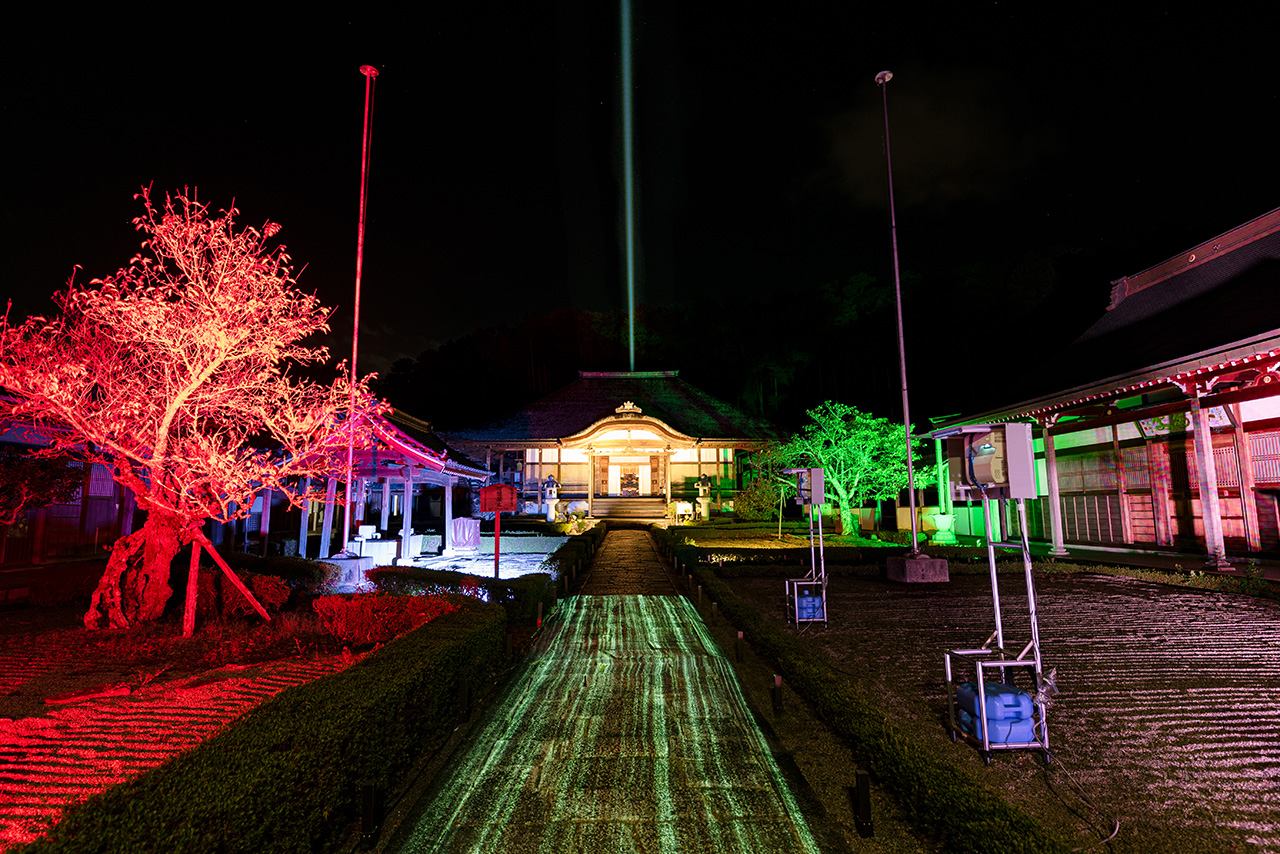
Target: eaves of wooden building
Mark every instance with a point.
(393, 475)
(1162, 428)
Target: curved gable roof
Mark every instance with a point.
(595, 396)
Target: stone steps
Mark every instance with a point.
(629, 508)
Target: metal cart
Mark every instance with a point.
(807, 597)
(1008, 471)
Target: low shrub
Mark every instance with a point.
(519, 597)
(299, 572)
(72, 582)
(287, 777)
(217, 597)
(576, 551)
(368, 618)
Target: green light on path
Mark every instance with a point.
(630, 734)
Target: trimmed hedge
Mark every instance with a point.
(519, 597)
(577, 551)
(298, 571)
(946, 801)
(368, 618)
(287, 776)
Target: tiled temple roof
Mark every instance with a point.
(596, 395)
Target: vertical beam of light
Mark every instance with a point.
(369, 73)
(628, 179)
(627, 732)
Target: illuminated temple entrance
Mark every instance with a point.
(614, 438)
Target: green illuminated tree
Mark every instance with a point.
(863, 457)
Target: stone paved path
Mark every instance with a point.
(625, 731)
(627, 564)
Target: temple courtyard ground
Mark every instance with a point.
(639, 723)
(1165, 731)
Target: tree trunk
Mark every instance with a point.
(848, 521)
(135, 586)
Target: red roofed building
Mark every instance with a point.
(1163, 426)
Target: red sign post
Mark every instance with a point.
(497, 497)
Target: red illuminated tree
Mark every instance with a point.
(176, 373)
(28, 481)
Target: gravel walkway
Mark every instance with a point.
(51, 762)
(1169, 711)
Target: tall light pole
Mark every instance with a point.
(369, 73)
(883, 79)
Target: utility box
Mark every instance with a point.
(998, 461)
(810, 488)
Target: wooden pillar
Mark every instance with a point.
(39, 539)
(85, 483)
(944, 477)
(1207, 480)
(326, 533)
(264, 521)
(1248, 497)
(591, 482)
(720, 475)
(406, 524)
(125, 502)
(1056, 547)
(697, 450)
(1122, 486)
(1161, 493)
(666, 476)
(305, 513)
(526, 476)
(448, 515)
(384, 495)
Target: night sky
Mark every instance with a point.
(1047, 150)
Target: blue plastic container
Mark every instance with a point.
(808, 606)
(1000, 732)
(1004, 702)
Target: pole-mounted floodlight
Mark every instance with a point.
(882, 79)
(369, 73)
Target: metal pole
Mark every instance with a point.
(369, 73)
(882, 79)
(991, 562)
